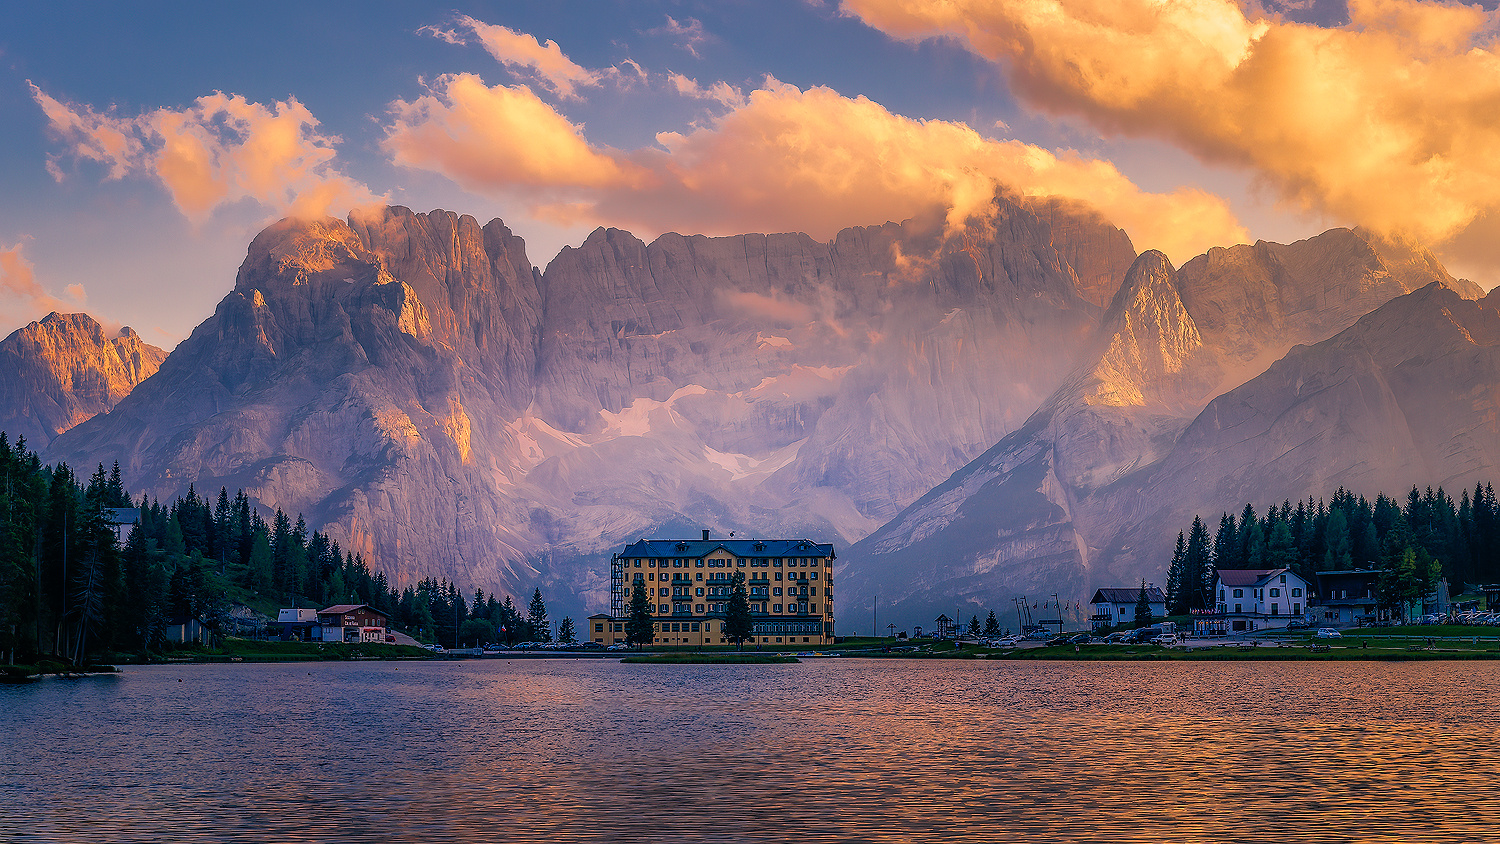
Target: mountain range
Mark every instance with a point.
(1025, 406)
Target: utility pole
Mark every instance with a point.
(875, 618)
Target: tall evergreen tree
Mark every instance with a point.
(565, 631)
(739, 624)
(1176, 603)
(1199, 573)
(992, 625)
(639, 627)
(1142, 607)
(536, 616)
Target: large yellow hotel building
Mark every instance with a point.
(789, 583)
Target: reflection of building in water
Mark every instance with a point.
(789, 583)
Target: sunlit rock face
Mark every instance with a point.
(1091, 490)
(62, 369)
(413, 386)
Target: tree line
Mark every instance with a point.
(69, 588)
(1429, 536)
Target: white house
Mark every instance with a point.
(1117, 606)
(1255, 599)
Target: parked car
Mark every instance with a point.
(618, 647)
(1059, 640)
(1118, 637)
(1081, 639)
(1327, 633)
(1166, 640)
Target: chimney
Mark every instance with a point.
(705, 535)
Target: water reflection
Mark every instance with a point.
(841, 750)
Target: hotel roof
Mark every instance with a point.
(679, 548)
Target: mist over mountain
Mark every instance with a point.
(1089, 492)
(414, 387)
(1020, 408)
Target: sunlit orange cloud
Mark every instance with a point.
(545, 62)
(221, 150)
(22, 298)
(1392, 121)
(783, 160)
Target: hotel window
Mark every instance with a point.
(700, 564)
(637, 563)
(777, 562)
(1296, 593)
(599, 627)
(651, 564)
(778, 575)
(1237, 609)
(814, 575)
(813, 607)
(700, 609)
(1239, 593)
(1275, 593)
(664, 591)
(776, 607)
(1283, 578)
(776, 591)
(700, 591)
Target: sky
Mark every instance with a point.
(146, 144)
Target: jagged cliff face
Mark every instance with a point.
(1407, 395)
(61, 370)
(412, 385)
(1085, 494)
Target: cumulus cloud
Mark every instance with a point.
(719, 92)
(220, 150)
(21, 296)
(782, 160)
(499, 137)
(1391, 120)
(546, 64)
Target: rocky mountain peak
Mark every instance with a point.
(63, 369)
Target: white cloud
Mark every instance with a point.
(781, 159)
(218, 151)
(545, 64)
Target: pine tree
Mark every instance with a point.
(739, 624)
(974, 626)
(565, 632)
(639, 626)
(1199, 574)
(1176, 601)
(992, 625)
(1142, 608)
(536, 616)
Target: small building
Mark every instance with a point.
(121, 520)
(1256, 599)
(1113, 607)
(297, 623)
(183, 629)
(351, 623)
(944, 627)
(1349, 596)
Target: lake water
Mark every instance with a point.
(829, 750)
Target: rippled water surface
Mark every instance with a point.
(830, 750)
